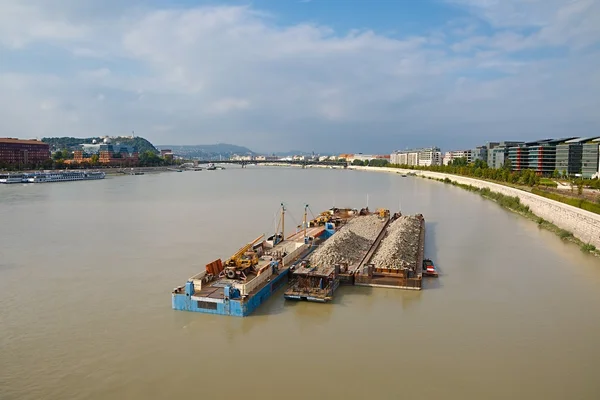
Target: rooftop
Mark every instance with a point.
(582, 139)
(22, 141)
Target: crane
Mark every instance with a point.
(241, 260)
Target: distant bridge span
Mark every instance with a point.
(243, 163)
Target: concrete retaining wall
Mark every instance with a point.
(584, 225)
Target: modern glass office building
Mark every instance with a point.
(590, 153)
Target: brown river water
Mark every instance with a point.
(86, 271)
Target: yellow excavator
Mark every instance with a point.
(244, 258)
(382, 212)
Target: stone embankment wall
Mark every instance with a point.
(584, 225)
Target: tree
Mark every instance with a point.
(95, 160)
(358, 162)
(459, 162)
(555, 174)
(507, 165)
(148, 158)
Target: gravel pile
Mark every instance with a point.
(365, 226)
(349, 243)
(400, 248)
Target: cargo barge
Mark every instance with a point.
(316, 280)
(389, 254)
(406, 271)
(238, 286)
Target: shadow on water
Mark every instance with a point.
(345, 293)
(431, 245)
(432, 283)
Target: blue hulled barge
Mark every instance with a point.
(238, 286)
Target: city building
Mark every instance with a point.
(164, 152)
(590, 152)
(108, 154)
(422, 157)
(453, 155)
(541, 156)
(266, 158)
(519, 157)
(22, 152)
(369, 157)
(237, 157)
(538, 156)
(569, 156)
(489, 146)
(498, 153)
(479, 153)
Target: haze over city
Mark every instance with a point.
(325, 76)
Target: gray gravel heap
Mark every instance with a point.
(365, 226)
(400, 248)
(349, 243)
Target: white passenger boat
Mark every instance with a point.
(64, 176)
(12, 178)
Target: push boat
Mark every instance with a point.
(240, 284)
(429, 268)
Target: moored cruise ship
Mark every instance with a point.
(64, 176)
(12, 178)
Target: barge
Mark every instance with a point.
(406, 273)
(238, 286)
(317, 280)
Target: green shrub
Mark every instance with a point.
(564, 234)
(540, 220)
(588, 248)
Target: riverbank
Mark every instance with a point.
(570, 223)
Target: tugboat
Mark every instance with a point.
(429, 268)
(211, 167)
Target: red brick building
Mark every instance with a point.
(22, 152)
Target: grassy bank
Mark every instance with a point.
(514, 204)
(579, 203)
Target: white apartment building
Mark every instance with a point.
(266, 158)
(452, 155)
(421, 157)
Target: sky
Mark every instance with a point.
(367, 76)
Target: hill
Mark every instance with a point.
(209, 151)
(70, 143)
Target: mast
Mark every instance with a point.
(282, 222)
(304, 223)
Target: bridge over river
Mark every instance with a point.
(243, 163)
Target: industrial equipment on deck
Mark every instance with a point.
(246, 257)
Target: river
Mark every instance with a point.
(86, 271)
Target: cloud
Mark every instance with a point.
(226, 105)
(236, 74)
